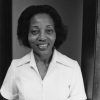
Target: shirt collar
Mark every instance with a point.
(32, 61)
(56, 58)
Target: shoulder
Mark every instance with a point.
(65, 60)
(23, 60)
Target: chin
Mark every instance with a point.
(44, 52)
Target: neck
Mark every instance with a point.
(45, 58)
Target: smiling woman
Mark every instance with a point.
(42, 35)
(44, 73)
(41, 38)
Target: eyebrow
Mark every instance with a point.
(47, 26)
(34, 26)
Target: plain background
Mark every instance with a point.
(71, 12)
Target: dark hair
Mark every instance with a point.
(24, 23)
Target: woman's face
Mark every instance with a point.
(42, 34)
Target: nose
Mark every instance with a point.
(42, 37)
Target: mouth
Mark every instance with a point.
(43, 46)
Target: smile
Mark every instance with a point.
(43, 46)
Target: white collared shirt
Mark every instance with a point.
(63, 80)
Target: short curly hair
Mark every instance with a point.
(31, 11)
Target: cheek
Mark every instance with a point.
(32, 41)
(32, 38)
(53, 38)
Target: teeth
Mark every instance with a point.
(43, 45)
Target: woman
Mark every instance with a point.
(44, 73)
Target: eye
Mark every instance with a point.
(35, 32)
(49, 31)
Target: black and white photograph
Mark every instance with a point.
(50, 50)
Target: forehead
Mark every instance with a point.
(42, 19)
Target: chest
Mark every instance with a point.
(56, 84)
(42, 69)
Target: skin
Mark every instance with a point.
(41, 38)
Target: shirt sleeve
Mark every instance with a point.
(77, 91)
(8, 87)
